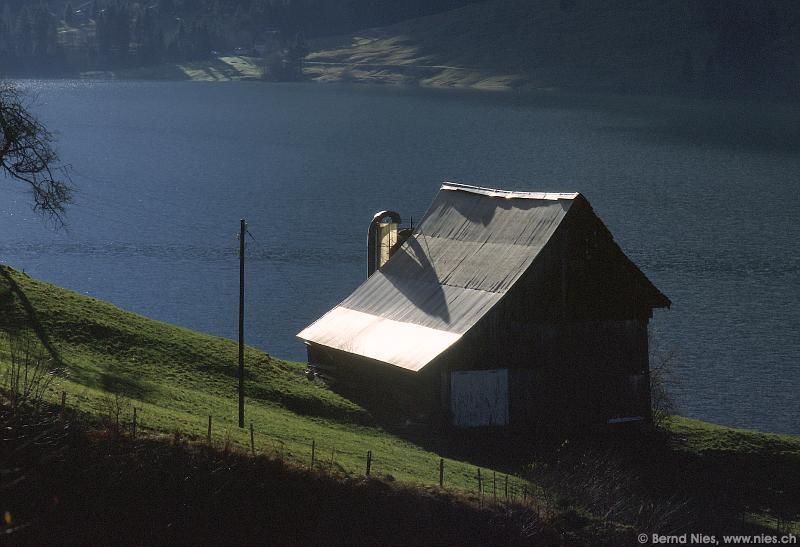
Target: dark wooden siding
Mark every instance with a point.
(571, 373)
(378, 386)
(572, 332)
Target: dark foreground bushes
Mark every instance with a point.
(62, 482)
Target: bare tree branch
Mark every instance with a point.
(27, 154)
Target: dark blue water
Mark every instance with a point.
(704, 197)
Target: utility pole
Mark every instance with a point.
(242, 230)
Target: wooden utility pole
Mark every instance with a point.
(242, 230)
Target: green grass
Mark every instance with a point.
(176, 378)
(706, 438)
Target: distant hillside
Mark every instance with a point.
(716, 46)
(63, 37)
(719, 47)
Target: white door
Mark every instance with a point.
(479, 398)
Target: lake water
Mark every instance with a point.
(703, 197)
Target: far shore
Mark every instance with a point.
(321, 68)
(240, 68)
(217, 69)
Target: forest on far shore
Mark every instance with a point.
(752, 47)
(51, 38)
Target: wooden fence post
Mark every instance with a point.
(252, 441)
(209, 430)
(494, 486)
(63, 405)
(134, 423)
(480, 486)
(313, 451)
(441, 472)
(506, 488)
(333, 453)
(369, 461)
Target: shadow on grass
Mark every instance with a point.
(310, 405)
(672, 483)
(497, 448)
(10, 311)
(121, 383)
(175, 493)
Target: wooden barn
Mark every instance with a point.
(501, 309)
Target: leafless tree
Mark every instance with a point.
(27, 154)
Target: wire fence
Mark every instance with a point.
(487, 485)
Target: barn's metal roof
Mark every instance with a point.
(470, 248)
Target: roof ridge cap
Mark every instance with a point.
(508, 194)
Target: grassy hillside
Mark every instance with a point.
(618, 45)
(177, 378)
(694, 476)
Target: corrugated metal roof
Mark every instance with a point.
(466, 253)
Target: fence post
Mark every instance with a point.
(208, 436)
(494, 486)
(252, 441)
(313, 451)
(63, 405)
(369, 461)
(480, 486)
(333, 453)
(134, 423)
(524, 493)
(506, 488)
(441, 472)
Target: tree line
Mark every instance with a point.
(52, 37)
(755, 43)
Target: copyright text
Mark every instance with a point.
(705, 539)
